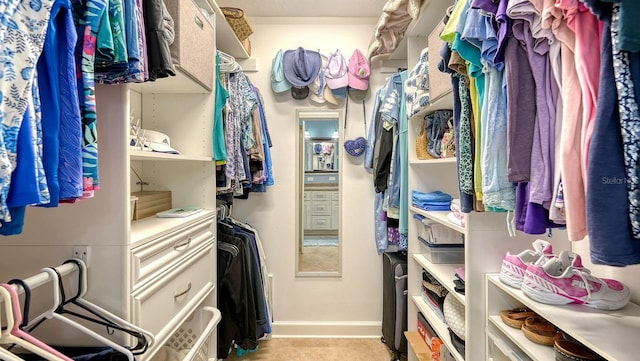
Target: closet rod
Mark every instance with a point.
(42, 278)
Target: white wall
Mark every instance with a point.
(351, 304)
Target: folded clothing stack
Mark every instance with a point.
(432, 201)
(456, 216)
(433, 294)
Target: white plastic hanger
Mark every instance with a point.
(4, 354)
(82, 290)
(8, 338)
(51, 314)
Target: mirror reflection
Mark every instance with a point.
(319, 204)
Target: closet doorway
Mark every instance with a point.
(319, 245)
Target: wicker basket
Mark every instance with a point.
(195, 335)
(238, 21)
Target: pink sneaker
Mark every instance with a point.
(514, 265)
(563, 279)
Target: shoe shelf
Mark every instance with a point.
(444, 273)
(506, 350)
(533, 350)
(440, 217)
(611, 334)
(440, 327)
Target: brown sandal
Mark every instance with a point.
(567, 350)
(540, 331)
(515, 317)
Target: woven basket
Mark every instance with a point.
(422, 145)
(238, 21)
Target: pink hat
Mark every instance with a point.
(336, 71)
(358, 71)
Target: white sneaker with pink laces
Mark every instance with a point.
(515, 265)
(563, 279)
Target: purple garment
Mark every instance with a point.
(490, 6)
(546, 98)
(504, 29)
(521, 110)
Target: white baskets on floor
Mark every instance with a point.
(195, 334)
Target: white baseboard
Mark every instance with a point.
(328, 329)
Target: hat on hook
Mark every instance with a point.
(279, 83)
(299, 92)
(359, 72)
(301, 66)
(336, 71)
(317, 87)
(329, 97)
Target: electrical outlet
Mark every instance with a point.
(81, 252)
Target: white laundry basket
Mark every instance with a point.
(195, 334)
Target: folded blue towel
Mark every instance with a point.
(436, 196)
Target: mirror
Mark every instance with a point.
(319, 248)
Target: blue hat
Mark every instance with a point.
(301, 66)
(340, 93)
(279, 83)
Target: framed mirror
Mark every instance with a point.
(319, 247)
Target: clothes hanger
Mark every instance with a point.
(6, 354)
(51, 314)
(139, 348)
(27, 301)
(14, 335)
(145, 338)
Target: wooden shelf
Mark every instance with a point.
(419, 347)
(441, 329)
(440, 217)
(226, 39)
(612, 334)
(444, 273)
(135, 154)
(148, 228)
(434, 161)
(533, 350)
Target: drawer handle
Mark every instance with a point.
(198, 22)
(183, 292)
(184, 244)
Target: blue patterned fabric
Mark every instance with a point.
(629, 121)
(22, 43)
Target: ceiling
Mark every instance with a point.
(308, 8)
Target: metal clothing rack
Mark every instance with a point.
(42, 278)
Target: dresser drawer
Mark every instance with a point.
(192, 50)
(319, 196)
(321, 208)
(320, 222)
(153, 258)
(334, 196)
(155, 305)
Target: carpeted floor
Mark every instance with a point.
(319, 259)
(318, 349)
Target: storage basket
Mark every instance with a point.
(238, 21)
(195, 334)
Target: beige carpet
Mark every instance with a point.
(318, 349)
(319, 259)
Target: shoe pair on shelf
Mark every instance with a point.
(534, 327)
(543, 332)
(560, 279)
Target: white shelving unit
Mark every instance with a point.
(611, 334)
(485, 234)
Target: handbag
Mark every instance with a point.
(422, 145)
(355, 147)
(448, 145)
(238, 21)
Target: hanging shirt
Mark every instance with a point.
(219, 149)
(22, 43)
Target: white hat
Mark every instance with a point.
(157, 142)
(316, 89)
